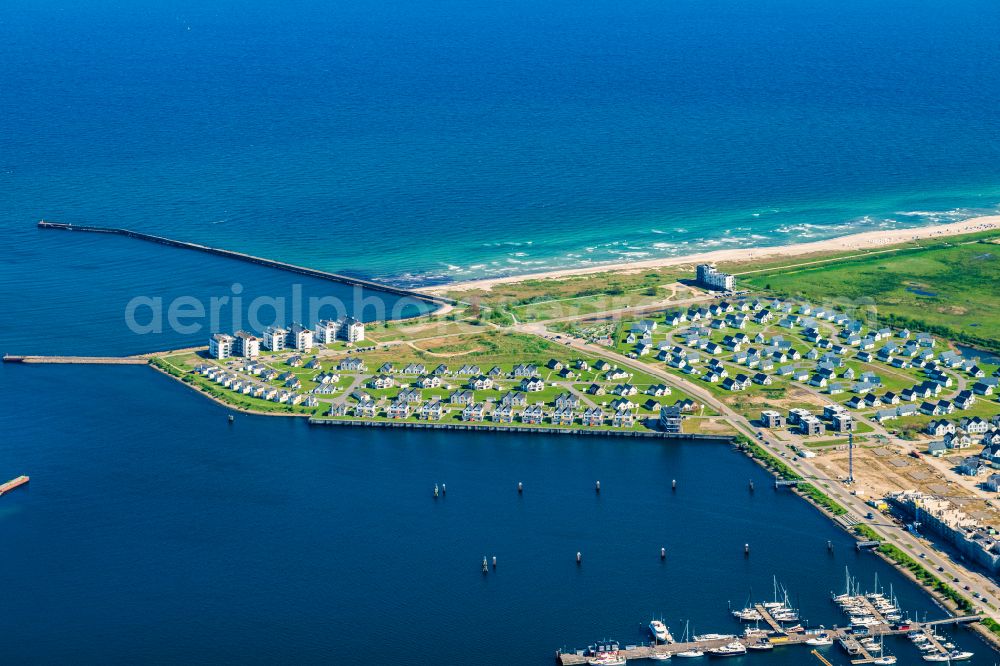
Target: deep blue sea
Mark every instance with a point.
(154, 531)
(441, 139)
(419, 142)
(98, 294)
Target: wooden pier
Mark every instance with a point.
(929, 633)
(769, 619)
(853, 647)
(874, 612)
(14, 483)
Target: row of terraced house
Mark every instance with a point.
(252, 389)
(511, 408)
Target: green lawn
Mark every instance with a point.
(584, 305)
(598, 285)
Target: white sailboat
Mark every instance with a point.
(687, 654)
(884, 659)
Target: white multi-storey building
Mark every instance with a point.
(220, 345)
(352, 330)
(326, 331)
(348, 328)
(246, 345)
(709, 277)
(299, 338)
(274, 338)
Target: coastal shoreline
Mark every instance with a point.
(863, 241)
(442, 304)
(870, 240)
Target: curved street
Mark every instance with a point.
(835, 488)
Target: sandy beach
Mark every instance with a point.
(865, 241)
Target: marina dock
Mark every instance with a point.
(768, 618)
(14, 483)
(270, 263)
(644, 651)
(843, 637)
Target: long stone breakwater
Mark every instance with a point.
(77, 360)
(440, 301)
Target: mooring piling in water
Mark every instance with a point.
(579, 557)
(444, 489)
(597, 488)
(663, 553)
(746, 550)
(494, 562)
(751, 485)
(520, 488)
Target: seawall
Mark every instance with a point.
(493, 427)
(440, 301)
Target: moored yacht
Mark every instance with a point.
(954, 655)
(747, 615)
(712, 637)
(734, 649)
(659, 631)
(605, 654)
(820, 639)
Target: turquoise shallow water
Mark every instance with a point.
(430, 141)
